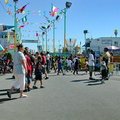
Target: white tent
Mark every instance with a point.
(113, 47)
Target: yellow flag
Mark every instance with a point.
(6, 1)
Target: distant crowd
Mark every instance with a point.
(24, 65)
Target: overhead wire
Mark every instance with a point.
(3, 6)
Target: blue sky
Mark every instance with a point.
(99, 17)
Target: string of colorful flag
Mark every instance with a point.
(53, 12)
(46, 27)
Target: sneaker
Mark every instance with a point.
(24, 96)
(34, 87)
(47, 78)
(90, 78)
(13, 77)
(63, 73)
(102, 81)
(25, 90)
(42, 87)
(8, 93)
(107, 78)
(29, 88)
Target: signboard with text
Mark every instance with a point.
(29, 41)
(106, 41)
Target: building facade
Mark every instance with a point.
(99, 44)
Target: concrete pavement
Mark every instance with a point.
(69, 97)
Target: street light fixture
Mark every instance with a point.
(68, 4)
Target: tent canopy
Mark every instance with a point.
(113, 47)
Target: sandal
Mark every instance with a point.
(24, 96)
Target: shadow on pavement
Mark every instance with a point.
(94, 82)
(4, 91)
(6, 99)
(10, 79)
(79, 80)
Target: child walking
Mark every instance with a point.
(103, 70)
(60, 67)
(38, 74)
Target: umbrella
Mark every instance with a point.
(113, 48)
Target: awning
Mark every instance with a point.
(86, 45)
(1, 48)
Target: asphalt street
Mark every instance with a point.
(65, 97)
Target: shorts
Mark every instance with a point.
(91, 68)
(38, 77)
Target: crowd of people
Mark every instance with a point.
(26, 66)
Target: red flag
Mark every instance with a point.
(21, 9)
(37, 34)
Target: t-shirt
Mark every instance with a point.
(107, 56)
(18, 67)
(48, 57)
(69, 63)
(28, 63)
(38, 71)
(91, 60)
(74, 60)
(43, 60)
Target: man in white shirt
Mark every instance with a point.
(74, 59)
(69, 64)
(91, 64)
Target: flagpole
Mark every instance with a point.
(53, 38)
(46, 40)
(15, 26)
(42, 43)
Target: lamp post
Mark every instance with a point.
(15, 25)
(68, 5)
(53, 37)
(46, 41)
(42, 42)
(70, 46)
(85, 32)
(44, 28)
